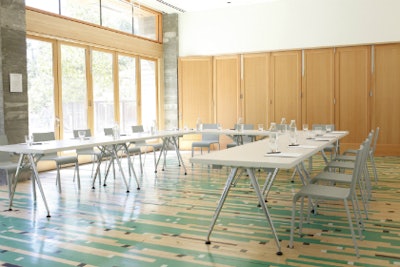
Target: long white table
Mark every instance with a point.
(255, 155)
(27, 154)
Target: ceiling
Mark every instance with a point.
(182, 6)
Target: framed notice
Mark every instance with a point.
(15, 82)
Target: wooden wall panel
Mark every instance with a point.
(352, 85)
(285, 89)
(195, 93)
(386, 98)
(318, 87)
(226, 92)
(255, 88)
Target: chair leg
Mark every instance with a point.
(371, 157)
(58, 180)
(77, 174)
(351, 227)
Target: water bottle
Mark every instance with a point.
(283, 125)
(116, 132)
(292, 133)
(199, 124)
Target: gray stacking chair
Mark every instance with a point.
(244, 139)
(207, 139)
(97, 155)
(317, 192)
(59, 160)
(7, 165)
(139, 144)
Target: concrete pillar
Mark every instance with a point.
(171, 53)
(13, 106)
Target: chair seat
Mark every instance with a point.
(61, 160)
(317, 191)
(203, 143)
(332, 177)
(8, 166)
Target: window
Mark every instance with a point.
(50, 6)
(40, 86)
(86, 10)
(103, 91)
(127, 92)
(148, 92)
(115, 14)
(74, 89)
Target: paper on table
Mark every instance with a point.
(283, 155)
(323, 139)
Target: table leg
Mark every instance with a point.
(268, 182)
(14, 181)
(178, 153)
(115, 153)
(221, 202)
(130, 166)
(256, 187)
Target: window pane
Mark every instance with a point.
(127, 92)
(86, 10)
(145, 24)
(148, 92)
(103, 91)
(40, 86)
(117, 15)
(50, 6)
(74, 89)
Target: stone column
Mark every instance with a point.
(13, 106)
(171, 53)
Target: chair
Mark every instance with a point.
(344, 178)
(96, 155)
(207, 139)
(139, 144)
(371, 154)
(7, 164)
(332, 149)
(333, 193)
(244, 139)
(59, 160)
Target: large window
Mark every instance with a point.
(115, 14)
(148, 92)
(127, 92)
(40, 86)
(74, 89)
(103, 91)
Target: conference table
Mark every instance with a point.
(258, 155)
(29, 154)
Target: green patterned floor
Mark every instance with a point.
(166, 222)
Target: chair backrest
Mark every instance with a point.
(246, 138)
(361, 158)
(374, 141)
(4, 156)
(137, 129)
(323, 126)
(108, 131)
(210, 136)
(47, 136)
(88, 133)
(40, 137)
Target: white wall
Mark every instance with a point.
(289, 24)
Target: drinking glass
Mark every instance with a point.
(328, 128)
(260, 127)
(273, 142)
(81, 135)
(28, 139)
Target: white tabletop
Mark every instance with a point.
(254, 155)
(46, 147)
